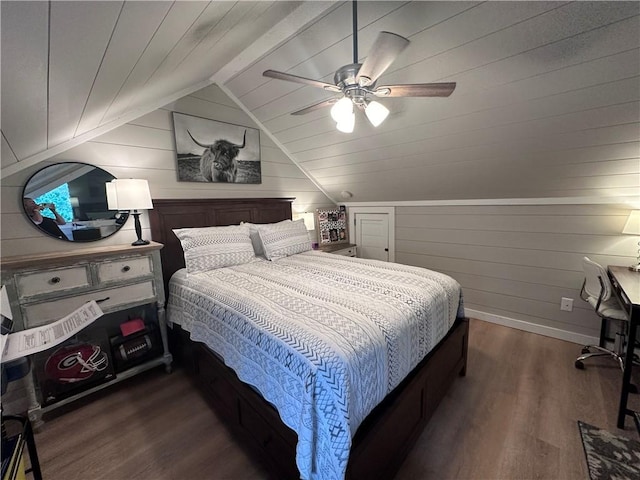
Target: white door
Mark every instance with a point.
(372, 235)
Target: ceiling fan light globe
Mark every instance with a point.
(342, 110)
(347, 124)
(376, 113)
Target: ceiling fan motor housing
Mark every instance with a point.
(345, 78)
(346, 75)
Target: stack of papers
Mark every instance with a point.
(27, 342)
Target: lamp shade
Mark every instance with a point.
(376, 113)
(632, 227)
(308, 217)
(112, 199)
(347, 124)
(342, 109)
(128, 194)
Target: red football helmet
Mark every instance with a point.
(75, 362)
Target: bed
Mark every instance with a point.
(332, 420)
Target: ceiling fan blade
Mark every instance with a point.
(382, 54)
(416, 90)
(296, 79)
(316, 106)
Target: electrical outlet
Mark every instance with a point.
(566, 304)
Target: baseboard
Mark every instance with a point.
(532, 327)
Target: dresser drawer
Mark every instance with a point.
(124, 269)
(347, 252)
(40, 313)
(54, 280)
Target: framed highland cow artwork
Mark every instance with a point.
(217, 152)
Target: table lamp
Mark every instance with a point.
(307, 217)
(309, 223)
(632, 227)
(130, 194)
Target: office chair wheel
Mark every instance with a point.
(579, 365)
(585, 350)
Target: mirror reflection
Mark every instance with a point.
(69, 201)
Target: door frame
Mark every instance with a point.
(391, 215)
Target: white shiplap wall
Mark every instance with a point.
(144, 148)
(515, 262)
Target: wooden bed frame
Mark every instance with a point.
(385, 437)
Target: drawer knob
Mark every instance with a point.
(126, 268)
(55, 280)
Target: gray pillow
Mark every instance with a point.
(209, 248)
(282, 239)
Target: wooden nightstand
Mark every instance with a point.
(126, 282)
(345, 249)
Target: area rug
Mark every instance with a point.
(610, 456)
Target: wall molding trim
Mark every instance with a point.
(632, 201)
(573, 337)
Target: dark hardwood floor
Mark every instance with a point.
(512, 417)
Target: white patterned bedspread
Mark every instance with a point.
(323, 337)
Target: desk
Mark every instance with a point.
(626, 287)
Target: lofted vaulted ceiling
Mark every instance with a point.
(546, 104)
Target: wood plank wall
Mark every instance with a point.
(145, 148)
(518, 261)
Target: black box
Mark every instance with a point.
(73, 366)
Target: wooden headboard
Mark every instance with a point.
(169, 214)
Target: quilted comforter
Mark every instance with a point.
(324, 338)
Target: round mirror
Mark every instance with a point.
(69, 201)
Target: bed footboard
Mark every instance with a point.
(382, 441)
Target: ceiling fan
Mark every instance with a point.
(357, 82)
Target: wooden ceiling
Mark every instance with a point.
(546, 104)
(74, 69)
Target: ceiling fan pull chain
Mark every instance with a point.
(355, 31)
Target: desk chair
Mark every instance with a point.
(597, 290)
(16, 430)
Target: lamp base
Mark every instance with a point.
(139, 241)
(635, 268)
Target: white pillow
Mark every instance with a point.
(283, 239)
(209, 248)
(255, 236)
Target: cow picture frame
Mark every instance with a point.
(216, 152)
